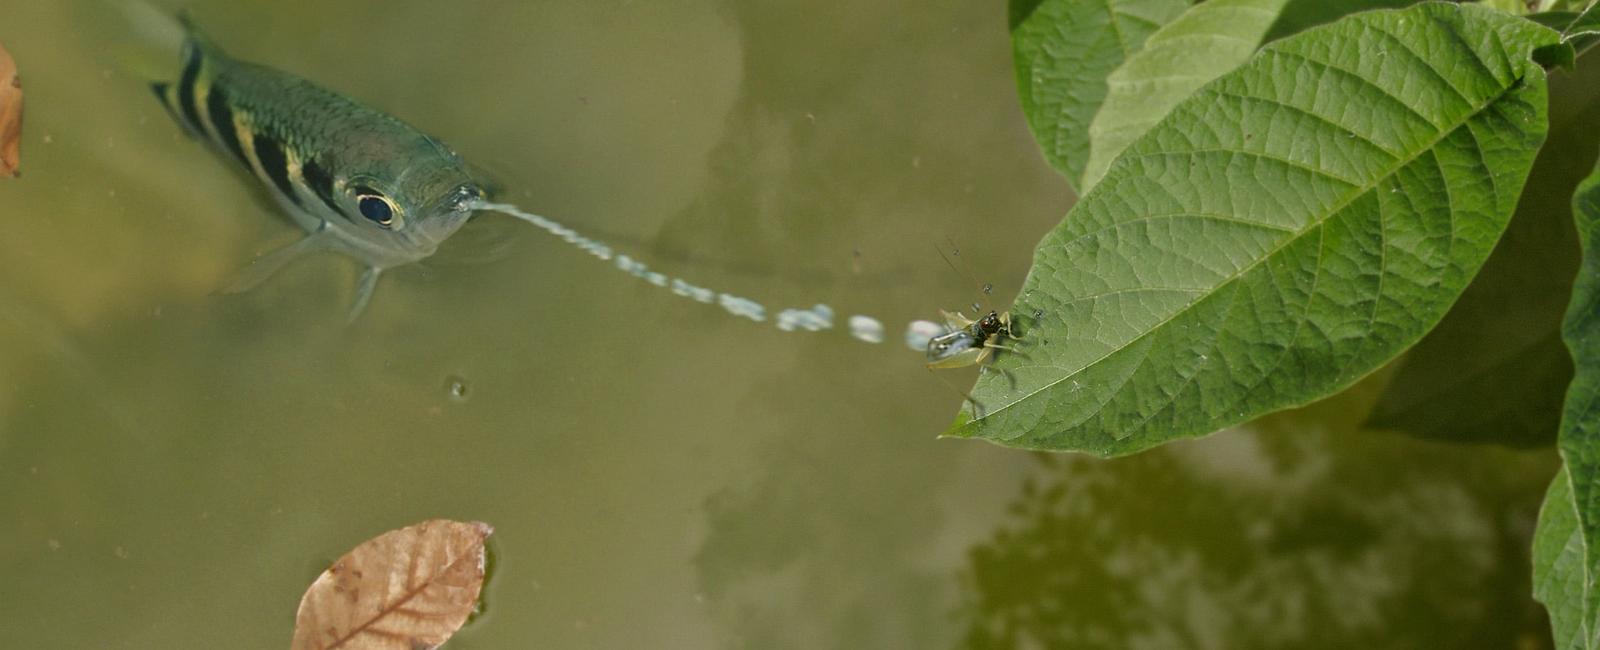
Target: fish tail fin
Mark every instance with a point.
(147, 39)
(194, 36)
(150, 43)
(161, 50)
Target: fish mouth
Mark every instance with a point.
(443, 219)
(428, 233)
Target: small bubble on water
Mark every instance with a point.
(456, 388)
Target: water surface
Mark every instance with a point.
(176, 467)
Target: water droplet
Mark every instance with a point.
(919, 332)
(456, 388)
(815, 319)
(867, 328)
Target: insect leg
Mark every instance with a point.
(1005, 325)
(977, 408)
(956, 320)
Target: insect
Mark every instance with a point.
(969, 342)
(358, 181)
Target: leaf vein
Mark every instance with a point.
(1449, 204)
(1317, 116)
(1116, 30)
(1259, 155)
(1455, 37)
(1127, 290)
(1225, 218)
(1205, 360)
(1477, 149)
(1328, 65)
(1305, 317)
(1422, 62)
(1383, 270)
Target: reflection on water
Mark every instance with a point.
(659, 474)
(1285, 535)
(1297, 531)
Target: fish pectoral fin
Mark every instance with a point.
(364, 290)
(265, 266)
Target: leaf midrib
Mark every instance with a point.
(1400, 163)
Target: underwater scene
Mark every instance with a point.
(673, 346)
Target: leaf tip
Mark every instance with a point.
(964, 426)
(1556, 55)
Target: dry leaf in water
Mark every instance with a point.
(409, 588)
(10, 115)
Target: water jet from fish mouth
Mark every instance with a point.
(817, 318)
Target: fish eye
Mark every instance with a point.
(376, 208)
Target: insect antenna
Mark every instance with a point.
(984, 287)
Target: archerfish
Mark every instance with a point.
(359, 181)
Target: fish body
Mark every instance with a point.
(359, 181)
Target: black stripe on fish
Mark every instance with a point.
(163, 91)
(276, 165)
(191, 76)
(321, 182)
(222, 120)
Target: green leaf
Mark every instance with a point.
(1564, 5)
(1202, 44)
(1558, 570)
(1587, 22)
(1301, 15)
(1063, 50)
(1019, 10)
(1556, 20)
(1584, 31)
(1495, 369)
(1570, 23)
(1283, 232)
(1513, 7)
(1564, 577)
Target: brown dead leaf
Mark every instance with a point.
(10, 115)
(407, 589)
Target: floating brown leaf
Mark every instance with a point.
(409, 588)
(10, 115)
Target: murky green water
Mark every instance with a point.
(176, 467)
